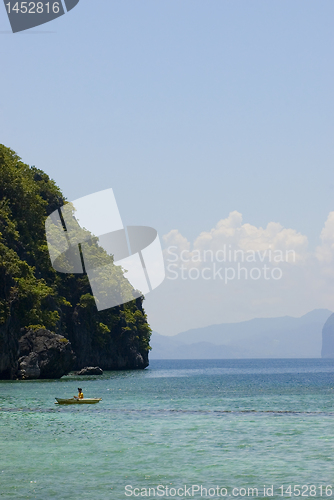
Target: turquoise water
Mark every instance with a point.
(226, 423)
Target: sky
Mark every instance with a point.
(189, 110)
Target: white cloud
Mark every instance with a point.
(232, 234)
(307, 282)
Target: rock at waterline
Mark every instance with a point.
(29, 367)
(46, 352)
(91, 370)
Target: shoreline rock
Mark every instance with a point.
(44, 354)
(29, 367)
(90, 370)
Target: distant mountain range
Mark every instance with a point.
(284, 337)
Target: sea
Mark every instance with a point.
(179, 429)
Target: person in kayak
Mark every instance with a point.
(80, 394)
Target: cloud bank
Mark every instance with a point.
(197, 293)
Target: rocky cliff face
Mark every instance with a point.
(31, 353)
(327, 350)
(36, 298)
(9, 349)
(121, 348)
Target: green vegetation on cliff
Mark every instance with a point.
(33, 294)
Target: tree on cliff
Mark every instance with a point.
(33, 294)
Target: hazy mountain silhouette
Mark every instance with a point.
(283, 337)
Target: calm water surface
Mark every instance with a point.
(225, 423)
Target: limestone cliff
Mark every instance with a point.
(123, 347)
(34, 296)
(9, 348)
(327, 350)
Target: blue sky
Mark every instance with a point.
(188, 109)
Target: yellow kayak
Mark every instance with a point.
(76, 401)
